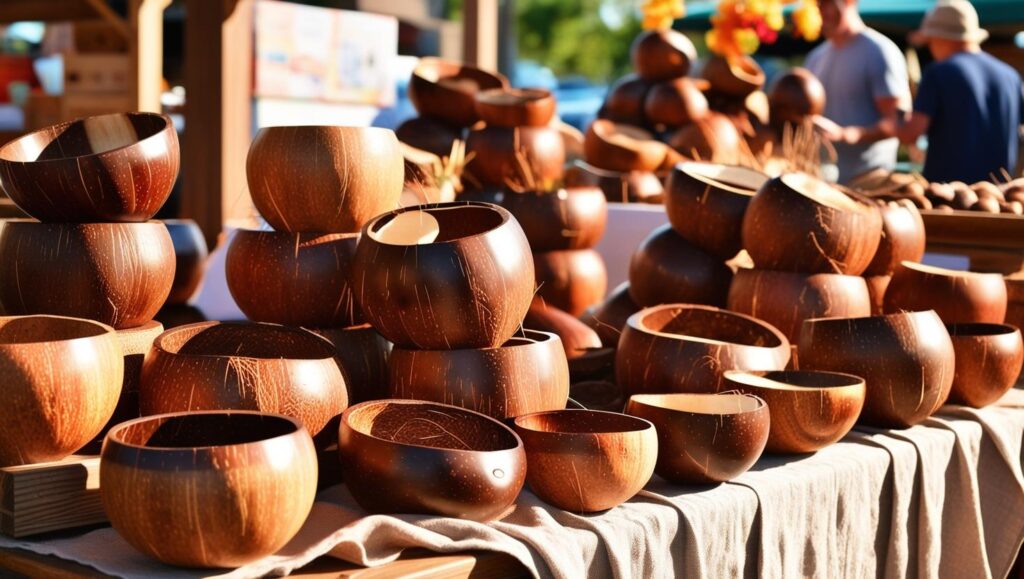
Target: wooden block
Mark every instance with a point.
(92, 73)
(52, 496)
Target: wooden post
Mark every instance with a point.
(146, 38)
(480, 33)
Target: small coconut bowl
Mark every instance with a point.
(118, 274)
(447, 90)
(468, 288)
(903, 238)
(578, 340)
(324, 179)
(296, 279)
(112, 168)
(668, 269)
(624, 148)
(988, 362)
(957, 296)
(496, 152)
(625, 100)
(586, 461)
(735, 78)
(618, 187)
(571, 218)
(662, 54)
(877, 284)
(673, 103)
(135, 344)
(244, 366)
(571, 280)
(597, 395)
(706, 202)
(810, 410)
(608, 317)
(704, 438)
(208, 489)
(713, 138)
(526, 374)
(795, 96)
(515, 107)
(797, 222)
(686, 348)
(190, 253)
(62, 378)
(363, 355)
(409, 456)
(906, 359)
(429, 134)
(785, 299)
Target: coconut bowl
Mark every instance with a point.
(988, 362)
(363, 355)
(571, 280)
(135, 344)
(408, 456)
(877, 284)
(578, 340)
(447, 90)
(62, 379)
(903, 239)
(118, 274)
(687, 348)
(625, 100)
(810, 410)
(190, 253)
(515, 107)
(429, 134)
(795, 96)
(704, 438)
(324, 179)
(713, 138)
(905, 359)
(1015, 300)
(608, 317)
(496, 152)
(662, 54)
(799, 223)
(623, 148)
(468, 288)
(296, 279)
(706, 202)
(618, 187)
(244, 366)
(586, 461)
(208, 489)
(675, 102)
(735, 78)
(785, 299)
(571, 218)
(110, 168)
(668, 269)
(526, 374)
(957, 296)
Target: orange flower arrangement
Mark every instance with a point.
(740, 26)
(659, 14)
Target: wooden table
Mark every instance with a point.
(993, 242)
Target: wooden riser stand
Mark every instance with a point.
(50, 496)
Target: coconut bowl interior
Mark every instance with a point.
(430, 425)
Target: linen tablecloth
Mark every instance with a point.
(941, 499)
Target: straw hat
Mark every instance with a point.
(951, 20)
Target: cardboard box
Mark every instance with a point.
(108, 73)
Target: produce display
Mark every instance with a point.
(983, 196)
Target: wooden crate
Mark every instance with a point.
(993, 242)
(52, 496)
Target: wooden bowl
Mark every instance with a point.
(447, 90)
(243, 366)
(706, 202)
(661, 54)
(495, 150)
(988, 362)
(470, 288)
(526, 374)
(785, 299)
(714, 138)
(796, 222)
(190, 253)
(118, 167)
(62, 378)
(667, 269)
(363, 355)
(608, 317)
(324, 179)
(516, 107)
(407, 456)
(735, 78)
(903, 239)
(586, 461)
(957, 296)
(618, 187)
(675, 102)
(877, 284)
(597, 395)
(625, 100)
(208, 489)
(572, 218)
(1015, 300)
(296, 279)
(571, 280)
(906, 359)
(809, 410)
(118, 274)
(578, 340)
(795, 95)
(135, 344)
(624, 148)
(429, 134)
(704, 438)
(686, 348)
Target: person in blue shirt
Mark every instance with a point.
(968, 103)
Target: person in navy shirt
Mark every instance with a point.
(969, 102)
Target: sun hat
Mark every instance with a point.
(950, 20)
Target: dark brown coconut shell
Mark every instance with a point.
(877, 284)
(528, 373)
(408, 456)
(578, 340)
(516, 107)
(135, 344)
(794, 96)
(1015, 300)
(625, 100)
(903, 239)
(686, 348)
(608, 317)
(495, 149)
(190, 253)
(598, 395)
(585, 460)
(809, 410)
(468, 289)
(571, 280)
(447, 90)
(706, 202)
(429, 134)
(988, 362)
(572, 218)
(957, 296)
(624, 148)
(363, 355)
(631, 187)
(796, 222)
(785, 299)
(662, 54)
(736, 78)
(667, 269)
(714, 138)
(906, 359)
(704, 438)
(675, 102)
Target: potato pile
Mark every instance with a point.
(984, 196)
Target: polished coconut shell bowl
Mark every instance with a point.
(190, 253)
(447, 90)
(618, 187)
(957, 296)
(363, 355)
(618, 147)
(903, 239)
(516, 107)
(571, 280)
(737, 77)
(667, 269)
(662, 54)
(988, 362)
(571, 218)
